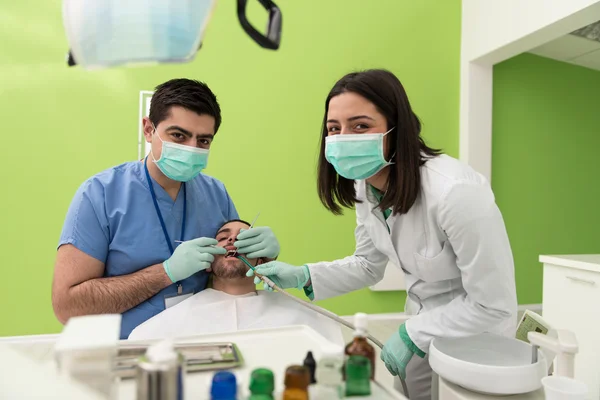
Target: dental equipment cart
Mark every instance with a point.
(269, 348)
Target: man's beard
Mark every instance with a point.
(229, 268)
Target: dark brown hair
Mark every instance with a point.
(233, 220)
(406, 146)
(187, 93)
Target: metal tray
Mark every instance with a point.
(198, 357)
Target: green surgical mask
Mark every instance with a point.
(356, 156)
(179, 162)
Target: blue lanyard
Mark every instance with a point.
(162, 222)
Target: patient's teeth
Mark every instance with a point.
(230, 253)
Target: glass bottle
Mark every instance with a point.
(311, 364)
(359, 345)
(358, 372)
(297, 379)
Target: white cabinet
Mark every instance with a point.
(572, 301)
(144, 111)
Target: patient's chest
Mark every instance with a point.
(269, 310)
(217, 312)
(272, 310)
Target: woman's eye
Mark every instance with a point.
(361, 127)
(333, 129)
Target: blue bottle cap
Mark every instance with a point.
(224, 386)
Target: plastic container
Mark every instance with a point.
(562, 388)
(329, 373)
(224, 386)
(86, 349)
(262, 384)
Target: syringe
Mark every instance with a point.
(235, 254)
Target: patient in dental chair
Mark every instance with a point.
(233, 303)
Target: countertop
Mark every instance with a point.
(587, 262)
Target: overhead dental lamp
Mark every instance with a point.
(110, 33)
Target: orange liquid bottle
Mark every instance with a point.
(297, 379)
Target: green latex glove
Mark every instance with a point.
(398, 351)
(257, 243)
(190, 257)
(283, 275)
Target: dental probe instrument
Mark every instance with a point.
(235, 253)
(254, 220)
(317, 309)
(181, 241)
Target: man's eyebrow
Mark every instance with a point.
(223, 230)
(188, 133)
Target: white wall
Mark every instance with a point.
(489, 25)
(494, 31)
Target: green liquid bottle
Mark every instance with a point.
(358, 374)
(359, 345)
(262, 384)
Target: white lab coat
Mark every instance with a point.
(452, 246)
(213, 311)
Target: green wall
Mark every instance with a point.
(61, 125)
(546, 136)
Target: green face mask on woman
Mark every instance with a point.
(179, 162)
(356, 156)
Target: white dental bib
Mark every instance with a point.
(212, 311)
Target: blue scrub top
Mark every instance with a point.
(112, 218)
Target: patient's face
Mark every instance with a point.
(230, 267)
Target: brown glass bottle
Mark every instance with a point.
(359, 345)
(297, 379)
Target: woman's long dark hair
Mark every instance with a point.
(406, 146)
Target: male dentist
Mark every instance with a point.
(138, 237)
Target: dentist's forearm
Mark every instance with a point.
(357, 272)
(112, 295)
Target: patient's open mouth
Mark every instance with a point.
(230, 253)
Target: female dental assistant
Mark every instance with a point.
(120, 250)
(428, 213)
